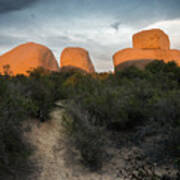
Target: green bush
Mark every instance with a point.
(86, 137)
(121, 106)
(14, 151)
(21, 98)
(129, 100)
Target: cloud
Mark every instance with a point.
(172, 28)
(116, 25)
(8, 40)
(56, 40)
(13, 5)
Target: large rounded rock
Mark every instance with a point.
(76, 58)
(151, 39)
(26, 57)
(145, 55)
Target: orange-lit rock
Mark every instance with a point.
(132, 54)
(151, 39)
(147, 46)
(27, 57)
(76, 58)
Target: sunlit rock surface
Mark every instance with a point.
(76, 58)
(139, 54)
(151, 39)
(27, 57)
(153, 47)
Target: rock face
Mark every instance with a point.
(76, 58)
(27, 57)
(132, 54)
(151, 39)
(140, 64)
(147, 46)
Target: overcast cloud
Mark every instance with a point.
(14, 5)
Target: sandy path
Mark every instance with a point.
(58, 161)
(51, 153)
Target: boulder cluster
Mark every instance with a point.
(148, 45)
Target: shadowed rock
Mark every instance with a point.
(26, 57)
(140, 64)
(72, 69)
(151, 39)
(76, 58)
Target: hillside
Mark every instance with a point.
(73, 125)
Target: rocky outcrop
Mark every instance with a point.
(27, 57)
(147, 46)
(76, 58)
(151, 39)
(142, 55)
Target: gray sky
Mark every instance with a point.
(100, 26)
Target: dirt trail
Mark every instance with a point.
(51, 153)
(58, 161)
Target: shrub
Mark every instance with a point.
(168, 70)
(20, 99)
(126, 100)
(131, 72)
(87, 138)
(121, 106)
(14, 151)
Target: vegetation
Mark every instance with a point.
(143, 102)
